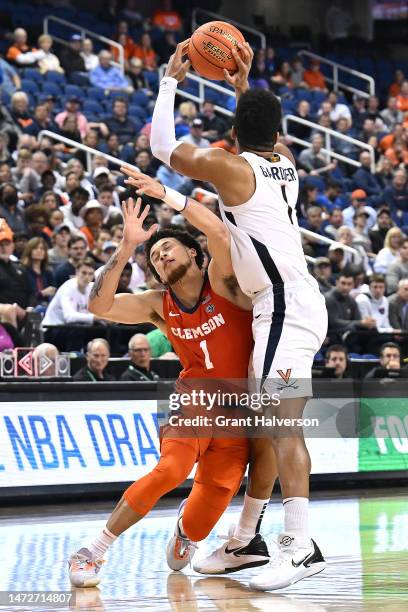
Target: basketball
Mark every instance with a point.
(209, 49)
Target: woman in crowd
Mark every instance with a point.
(35, 261)
(389, 253)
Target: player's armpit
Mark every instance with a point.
(225, 284)
(145, 307)
(201, 164)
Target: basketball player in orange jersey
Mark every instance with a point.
(258, 190)
(207, 319)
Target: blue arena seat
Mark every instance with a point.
(137, 112)
(140, 98)
(51, 89)
(93, 107)
(74, 90)
(55, 77)
(96, 93)
(32, 74)
(29, 86)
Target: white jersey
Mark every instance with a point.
(69, 305)
(266, 246)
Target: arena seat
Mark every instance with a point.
(32, 74)
(51, 89)
(92, 106)
(29, 86)
(74, 90)
(95, 93)
(53, 76)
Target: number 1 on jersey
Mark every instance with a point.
(208, 363)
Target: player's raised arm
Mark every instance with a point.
(125, 308)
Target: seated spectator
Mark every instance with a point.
(390, 363)
(374, 304)
(71, 58)
(5, 157)
(45, 355)
(37, 219)
(97, 361)
(72, 106)
(21, 53)
(337, 358)
(126, 275)
(338, 109)
(314, 223)
(402, 97)
(11, 80)
(358, 113)
(379, 231)
(348, 149)
(78, 198)
(108, 77)
(14, 282)
(307, 198)
(396, 195)
(90, 58)
(140, 355)
(92, 214)
(166, 46)
(70, 129)
(41, 121)
(358, 260)
(389, 253)
(19, 110)
(373, 112)
(171, 178)
(166, 18)
(297, 72)
(128, 49)
(59, 253)
(24, 177)
(391, 115)
(360, 229)
(399, 269)
(282, 77)
(336, 220)
(139, 268)
(398, 303)
(364, 178)
(160, 346)
(35, 262)
(70, 303)
(120, 123)
(50, 200)
(50, 61)
(213, 126)
(359, 200)
(261, 71)
(313, 77)
(395, 87)
(135, 75)
(298, 129)
(145, 162)
(322, 272)
(313, 159)
(9, 209)
(111, 147)
(195, 135)
(77, 249)
(384, 172)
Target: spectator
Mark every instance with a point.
(384, 172)
(140, 356)
(336, 220)
(395, 86)
(358, 113)
(22, 54)
(314, 223)
(322, 272)
(136, 76)
(298, 129)
(213, 126)
(338, 109)
(20, 241)
(359, 260)
(19, 110)
(374, 304)
(297, 73)
(127, 42)
(313, 77)
(313, 159)
(11, 80)
(373, 112)
(360, 229)
(37, 219)
(171, 178)
(92, 214)
(398, 303)
(72, 106)
(359, 200)
(9, 209)
(166, 18)
(399, 269)
(70, 129)
(337, 358)
(14, 283)
(396, 195)
(282, 77)
(70, 303)
(160, 346)
(77, 248)
(391, 115)
(5, 157)
(97, 360)
(195, 135)
(166, 46)
(144, 161)
(379, 231)
(120, 123)
(50, 61)
(344, 315)
(390, 360)
(126, 275)
(364, 178)
(35, 262)
(227, 143)
(402, 97)
(108, 77)
(260, 71)
(145, 52)
(341, 146)
(50, 200)
(71, 58)
(41, 121)
(78, 198)
(46, 355)
(90, 58)
(59, 252)
(389, 253)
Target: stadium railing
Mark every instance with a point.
(305, 232)
(85, 34)
(202, 84)
(328, 134)
(336, 68)
(195, 22)
(88, 150)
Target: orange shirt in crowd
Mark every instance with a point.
(224, 144)
(129, 49)
(148, 56)
(395, 160)
(386, 142)
(314, 78)
(89, 236)
(394, 89)
(402, 103)
(13, 52)
(167, 20)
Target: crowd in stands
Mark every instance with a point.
(60, 219)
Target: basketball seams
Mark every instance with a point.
(204, 57)
(217, 42)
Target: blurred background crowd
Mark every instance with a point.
(60, 217)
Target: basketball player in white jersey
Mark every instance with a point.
(258, 191)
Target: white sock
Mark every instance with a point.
(297, 519)
(101, 544)
(250, 518)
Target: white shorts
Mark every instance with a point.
(289, 327)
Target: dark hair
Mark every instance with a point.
(336, 348)
(376, 278)
(85, 262)
(184, 237)
(120, 99)
(345, 274)
(128, 267)
(80, 191)
(34, 211)
(393, 345)
(257, 119)
(76, 239)
(106, 187)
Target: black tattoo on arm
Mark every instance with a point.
(97, 286)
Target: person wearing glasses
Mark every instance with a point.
(140, 354)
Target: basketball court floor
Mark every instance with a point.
(364, 538)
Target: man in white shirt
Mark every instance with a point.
(70, 303)
(375, 304)
(195, 135)
(338, 110)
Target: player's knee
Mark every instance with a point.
(171, 476)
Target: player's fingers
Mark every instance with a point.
(184, 46)
(186, 65)
(145, 212)
(124, 209)
(136, 206)
(128, 171)
(228, 77)
(238, 58)
(250, 50)
(152, 229)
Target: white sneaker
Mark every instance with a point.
(234, 555)
(83, 569)
(180, 550)
(290, 565)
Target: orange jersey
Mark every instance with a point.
(212, 339)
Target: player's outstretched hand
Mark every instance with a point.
(133, 232)
(177, 67)
(243, 57)
(143, 183)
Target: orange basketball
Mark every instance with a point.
(209, 49)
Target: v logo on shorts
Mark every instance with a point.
(285, 375)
